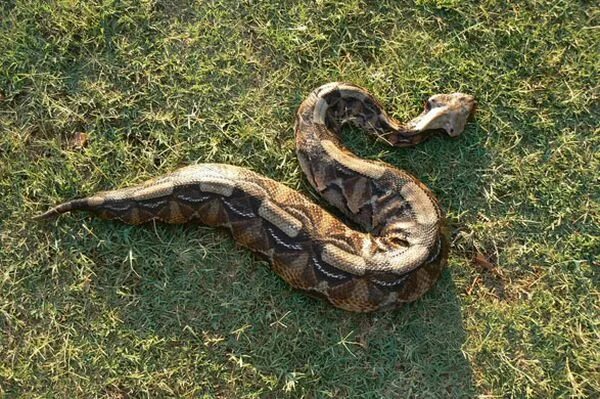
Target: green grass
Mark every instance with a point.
(93, 308)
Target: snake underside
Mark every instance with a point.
(394, 255)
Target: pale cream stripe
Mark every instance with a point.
(423, 206)
(319, 111)
(218, 186)
(95, 200)
(280, 218)
(154, 191)
(351, 162)
(343, 260)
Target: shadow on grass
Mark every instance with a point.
(220, 322)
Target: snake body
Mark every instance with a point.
(394, 255)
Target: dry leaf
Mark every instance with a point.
(79, 140)
(483, 261)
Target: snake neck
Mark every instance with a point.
(337, 104)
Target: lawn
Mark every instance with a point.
(102, 94)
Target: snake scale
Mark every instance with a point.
(395, 252)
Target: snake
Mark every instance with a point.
(386, 244)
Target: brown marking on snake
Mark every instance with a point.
(357, 192)
(395, 257)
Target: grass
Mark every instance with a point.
(93, 308)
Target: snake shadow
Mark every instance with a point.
(220, 304)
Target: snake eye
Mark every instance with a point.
(427, 105)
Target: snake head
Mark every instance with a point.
(449, 112)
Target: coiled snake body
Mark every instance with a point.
(396, 256)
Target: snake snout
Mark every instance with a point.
(447, 112)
